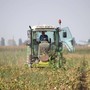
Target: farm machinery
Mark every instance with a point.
(46, 53)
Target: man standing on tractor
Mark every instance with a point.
(43, 37)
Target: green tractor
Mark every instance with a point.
(48, 52)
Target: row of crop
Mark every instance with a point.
(25, 78)
(12, 48)
(16, 75)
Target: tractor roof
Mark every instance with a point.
(43, 28)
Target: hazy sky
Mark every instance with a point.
(17, 15)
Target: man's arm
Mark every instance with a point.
(40, 38)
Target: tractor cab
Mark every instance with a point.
(42, 53)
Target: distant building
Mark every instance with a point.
(11, 42)
(88, 41)
(2, 42)
(20, 42)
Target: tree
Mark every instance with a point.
(20, 41)
(2, 41)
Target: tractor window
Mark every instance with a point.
(50, 35)
(64, 34)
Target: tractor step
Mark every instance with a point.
(41, 64)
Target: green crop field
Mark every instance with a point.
(16, 75)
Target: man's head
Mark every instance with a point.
(43, 32)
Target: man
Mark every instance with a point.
(43, 47)
(43, 37)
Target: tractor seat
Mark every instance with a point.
(43, 50)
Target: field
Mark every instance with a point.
(16, 75)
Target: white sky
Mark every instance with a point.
(17, 15)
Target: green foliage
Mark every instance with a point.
(16, 75)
